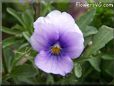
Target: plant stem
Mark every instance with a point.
(36, 6)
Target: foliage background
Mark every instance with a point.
(95, 65)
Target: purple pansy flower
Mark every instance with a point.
(58, 40)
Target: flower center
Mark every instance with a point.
(56, 49)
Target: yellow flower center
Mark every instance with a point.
(56, 49)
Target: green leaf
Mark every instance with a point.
(16, 15)
(89, 30)
(26, 36)
(8, 57)
(24, 45)
(95, 63)
(27, 18)
(86, 69)
(18, 27)
(10, 41)
(104, 35)
(50, 79)
(25, 80)
(46, 7)
(70, 79)
(21, 55)
(78, 70)
(107, 57)
(108, 67)
(10, 31)
(30, 13)
(86, 19)
(23, 71)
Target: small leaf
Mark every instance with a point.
(108, 67)
(22, 71)
(89, 30)
(16, 15)
(47, 7)
(95, 63)
(30, 13)
(86, 19)
(24, 45)
(78, 70)
(107, 57)
(18, 27)
(26, 19)
(24, 80)
(20, 54)
(104, 35)
(8, 57)
(10, 41)
(10, 31)
(26, 36)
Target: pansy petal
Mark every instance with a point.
(37, 42)
(53, 64)
(42, 36)
(62, 19)
(39, 20)
(54, 13)
(59, 19)
(72, 43)
(44, 20)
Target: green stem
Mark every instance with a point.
(37, 8)
(4, 64)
